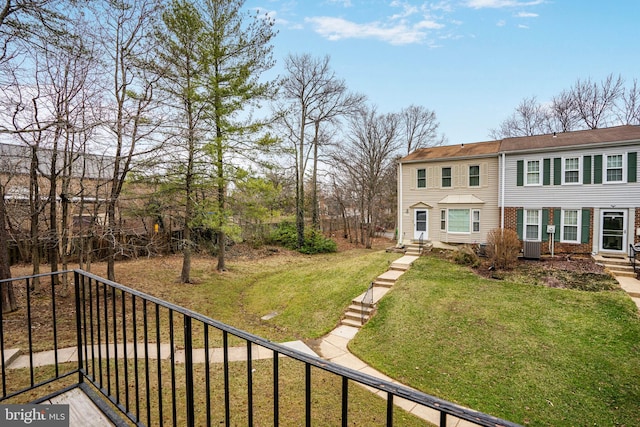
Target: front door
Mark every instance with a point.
(614, 231)
(420, 225)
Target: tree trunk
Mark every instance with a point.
(9, 303)
(34, 207)
(111, 238)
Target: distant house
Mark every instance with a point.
(578, 192)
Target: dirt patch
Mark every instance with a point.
(580, 273)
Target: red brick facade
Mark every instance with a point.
(511, 221)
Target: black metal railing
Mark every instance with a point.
(156, 363)
(634, 251)
(367, 303)
(421, 243)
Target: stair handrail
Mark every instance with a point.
(369, 293)
(420, 242)
(633, 254)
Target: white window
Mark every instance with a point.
(474, 176)
(422, 178)
(571, 172)
(533, 172)
(570, 226)
(459, 220)
(615, 168)
(443, 220)
(446, 177)
(475, 223)
(532, 224)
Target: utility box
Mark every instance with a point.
(531, 249)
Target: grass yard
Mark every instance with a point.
(527, 353)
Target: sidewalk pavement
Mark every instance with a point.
(631, 286)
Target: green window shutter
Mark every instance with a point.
(519, 220)
(597, 169)
(586, 225)
(520, 173)
(632, 167)
(557, 222)
(545, 221)
(586, 170)
(557, 171)
(546, 171)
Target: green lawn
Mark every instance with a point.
(529, 354)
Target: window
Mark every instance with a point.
(422, 178)
(614, 168)
(443, 220)
(475, 223)
(572, 170)
(458, 220)
(533, 172)
(446, 177)
(474, 176)
(532, 224)
(570, 226)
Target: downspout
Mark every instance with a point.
(502, 183)
(399, 227)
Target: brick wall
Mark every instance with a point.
(511, 220)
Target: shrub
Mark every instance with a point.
(503, 247)
(466, 256)
(286, 235)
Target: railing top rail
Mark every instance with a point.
(395, 389)
(15, 279)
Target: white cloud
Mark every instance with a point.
(527, 15)
(524, 27)
(344, 3)
(497, 4)
(338, 29)
(501, 23)
(407, 10)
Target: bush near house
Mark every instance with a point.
(314, 241)
(503, 247)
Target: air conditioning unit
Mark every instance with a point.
(531, 249)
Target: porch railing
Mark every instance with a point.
(155, 363)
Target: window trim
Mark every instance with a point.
(526, 173)
(605, 169)
(419, 179)
(564, 170)
(578, 225)
(443, 220)
(449, 221)
(450, 177)
(474, 176)
(526, 223)
(473, 220)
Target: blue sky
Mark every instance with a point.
(471, 61)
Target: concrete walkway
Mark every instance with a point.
(631, 286)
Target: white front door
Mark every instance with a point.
(613, 234)
(420, 221)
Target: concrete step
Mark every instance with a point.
(349, 322)
(360, 308)
(384, 284)
(356, 317)
(10, 355)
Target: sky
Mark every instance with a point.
(470, 61)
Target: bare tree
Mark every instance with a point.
(315, 96)
(125, 32)
(419, 127)
(530, 118)
(629, 111)
(563, 112)
(373, 143)
(595, 102)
